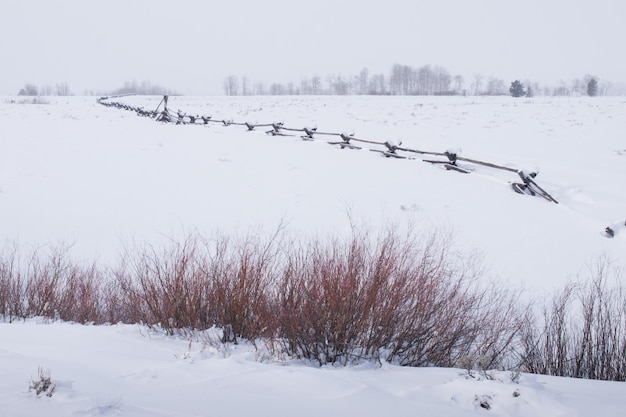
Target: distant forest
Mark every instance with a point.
(406, 80)
(401, 80)
(129, 87)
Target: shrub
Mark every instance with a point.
(34, 100)
(197, 285)
(582, 330)
(48, 283)
(44, 384)
(10, 285)
(404, 299)
(401, 299)
(163, 288)
(407, 299)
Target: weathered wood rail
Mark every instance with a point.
(387, 148)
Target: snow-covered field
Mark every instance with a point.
(124, 370)
(100, 179)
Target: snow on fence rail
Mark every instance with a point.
(388, 149)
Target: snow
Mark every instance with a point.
(99, 179)
(129, 370)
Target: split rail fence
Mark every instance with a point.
(389, 149)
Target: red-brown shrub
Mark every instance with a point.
(403, 298)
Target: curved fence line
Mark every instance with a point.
(388, 149)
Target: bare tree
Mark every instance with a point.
(231, 85)
(496, 87)
(244, 86)
(363, 81)
(316, 84)
(45, 90)
(458, 84)
(378, 85)
(145, 88)
(259, 88)
(443, 79)
(533, 88)
(63, 89)
(305, 86)
(561, 90)
(477, 84)
(397, 80)
(604, 87)
(277, 89)
(578, 87)
(425, 78)
(340, 86)
(403, 80)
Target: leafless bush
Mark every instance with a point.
(406, 299)
(402, 298)
(56, 287)
(113, 303)
(582, 331)
(240, 279)
(34, 100)
(163, 288)
(320, 300)
(80, 295)
(48, 283)
(547, 340)
(199, 284)
(450, 313)
(11, 285)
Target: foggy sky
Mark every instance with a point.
(191, 45)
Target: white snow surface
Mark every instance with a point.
(127, 370)
(99, 178)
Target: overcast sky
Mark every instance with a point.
(191, 45)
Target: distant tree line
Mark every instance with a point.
(141, 88)
(589, 85)
(61, 89)
(401, 80)
(408, 80)
(130, 87)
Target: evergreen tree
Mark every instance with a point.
(517, 89)
(592, 87)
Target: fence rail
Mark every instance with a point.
(388, 149)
